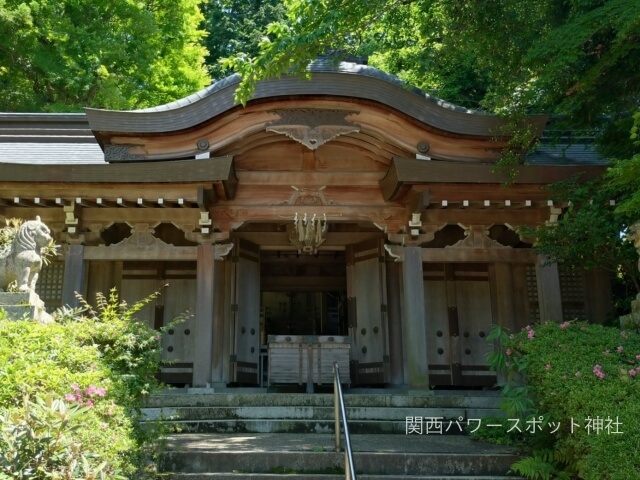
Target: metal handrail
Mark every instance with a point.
(340, 410)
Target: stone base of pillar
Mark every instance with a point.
(24, 306)
(631, 321)
(426, 392)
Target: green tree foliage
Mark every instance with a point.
(235, 26)
(590, 232)
(578, 57)
(625, 175)
(62, 55)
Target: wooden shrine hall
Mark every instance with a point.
(347, 217)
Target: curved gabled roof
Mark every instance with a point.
(328, 79)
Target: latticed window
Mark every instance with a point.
(572, 289)
(532, 294)
(49, 286)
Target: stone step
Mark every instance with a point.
(367, 413)
(301, 476)
(473, 399)
(372, 463)
(368, 427)
(314, 455)
(310, 413)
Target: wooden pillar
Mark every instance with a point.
(394, 315)
(549, 295)
(75, 272)
(100, 280)
(218, 368)
(414, 319)
(599, 297)
(503, 296)
(203, 341)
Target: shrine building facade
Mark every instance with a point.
(344, 217)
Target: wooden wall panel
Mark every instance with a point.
(180, 301)
(136, 289)
(437, 323)
(475, 318)
(247, 312)
(369, 330)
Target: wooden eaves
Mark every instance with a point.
(408, 171)
(220, 169)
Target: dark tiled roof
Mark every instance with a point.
(47, 138)
(566, 154)
(344, 79)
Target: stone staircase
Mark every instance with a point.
(244, 435)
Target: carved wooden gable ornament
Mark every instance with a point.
(312, 127)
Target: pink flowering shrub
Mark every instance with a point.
(101, 363)
(584, 378)
(85, 397)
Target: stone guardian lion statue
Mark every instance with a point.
(21, 261)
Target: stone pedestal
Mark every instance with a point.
(24, 306)
(631, 321)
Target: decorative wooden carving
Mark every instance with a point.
(396, 252)
(312, 127)
(120, 152)
(308, 196)
(141, 245)
(222, 250)
(427, 234)
(142, 236)
(476, 236)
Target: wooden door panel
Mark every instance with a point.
(369, 330)
(247, 313)
(179, 301)
(474, 320)
(368, 301)
(459, 316)
(438, 348)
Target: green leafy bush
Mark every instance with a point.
(102, 363)
(36, 441)
(581, 382)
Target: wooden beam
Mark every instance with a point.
(288, 283)
(205, 198)
(101, 202)
(464, 255)
(276, 239)
(283, 213)
(419, 201)
(309, 178)
(486, 216)
(218, 169)
(128, 252)
(408, 171)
